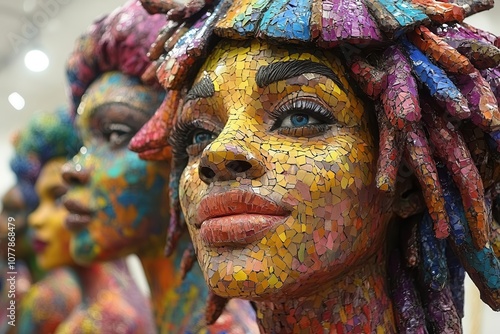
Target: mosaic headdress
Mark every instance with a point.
(436, 84)
(48, 135)
(116, 42)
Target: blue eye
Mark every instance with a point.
(302, 117)
(297, 120)
(202, 136)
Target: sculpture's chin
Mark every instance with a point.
(247, 293)
(82, 248)
(246, 289)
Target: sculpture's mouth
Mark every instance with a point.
(79, 216)
(237, 218)
(39, 245)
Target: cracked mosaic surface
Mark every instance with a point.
(279, 193)
(434, 86)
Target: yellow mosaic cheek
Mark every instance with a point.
(190, 176)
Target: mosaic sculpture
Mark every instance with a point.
(117, 201)
(51, 296)
(17, 203)
(69, 299)
(335, 161)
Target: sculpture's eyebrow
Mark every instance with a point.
(290, 69)
(203, 88)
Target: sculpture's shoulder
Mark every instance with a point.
(49, 302)
(107, 313)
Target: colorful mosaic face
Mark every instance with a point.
(279, 187)
(110, 216)
(51, 238)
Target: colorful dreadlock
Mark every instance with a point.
(116, 42)
(48, 135)
(436, 88)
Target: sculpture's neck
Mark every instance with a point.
(99, 277)
(179, 305)
(357, 302)
(34, 270)
(93, 279)
(110, 299)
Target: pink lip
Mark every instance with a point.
(79, 215)
(39, 245)
(237, 218)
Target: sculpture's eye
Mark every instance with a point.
(191, 137)
(298, 119)
(302, 117)
(117, 134)
(200, 136)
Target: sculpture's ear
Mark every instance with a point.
(408, 199)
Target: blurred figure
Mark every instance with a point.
(44, 146)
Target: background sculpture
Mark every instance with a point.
(52, 296)
(55, 302)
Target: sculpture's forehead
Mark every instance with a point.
(258, 53)
(115, 87)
